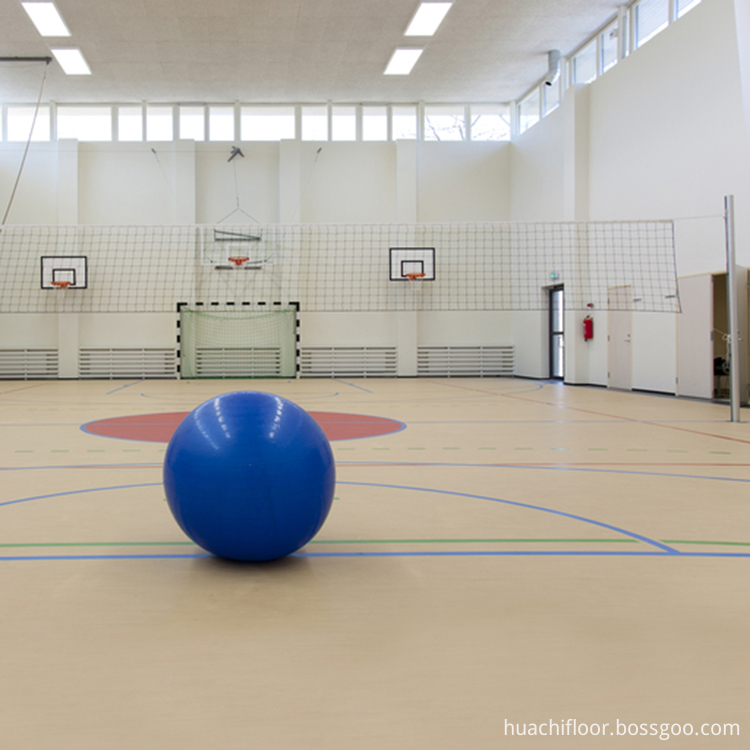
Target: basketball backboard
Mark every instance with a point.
(71, 270)
(406, 261)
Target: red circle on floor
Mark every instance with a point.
(158, 428)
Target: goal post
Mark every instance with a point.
(238, 341)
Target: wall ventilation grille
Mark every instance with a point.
(465, 361)
(28, 364)
(238, 362)
(350, 362)
(127, 363)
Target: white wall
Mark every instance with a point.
(127, 183)
(538, 171)
(668, 137)
(661, 135)
(36, 198)
(348, 183)
(186, 182)
(252, 178)
(463, 181)
(347, 329)
(28, 331)
(128, 330)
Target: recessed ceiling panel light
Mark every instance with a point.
(402, 61)
(46, 18)
(427, 19)
(72, 61)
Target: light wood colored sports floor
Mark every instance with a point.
(521, 552)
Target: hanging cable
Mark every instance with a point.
(47, 61)
(237, 208)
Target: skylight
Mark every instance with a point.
(402, 61)
(46, 19)
(427, 19)
(72, 61)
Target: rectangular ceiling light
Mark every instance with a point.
(427, 19)
(46, 18)
(72, 61)
(402, 61)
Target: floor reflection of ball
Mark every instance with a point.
(249, 476)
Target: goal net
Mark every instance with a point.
(345, 268)
(238, 343)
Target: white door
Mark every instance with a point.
(620, 338)
(695, 348)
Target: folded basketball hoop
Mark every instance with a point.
(61, 284)
(414, 276)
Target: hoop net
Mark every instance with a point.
(238, 261)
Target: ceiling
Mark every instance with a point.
(292, 50)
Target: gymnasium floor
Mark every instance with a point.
(513, 552)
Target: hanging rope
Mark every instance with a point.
(28, 143)
(237, 208)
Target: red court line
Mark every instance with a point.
(603, 414)
(25, 388)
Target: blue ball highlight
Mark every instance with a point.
(249, 476)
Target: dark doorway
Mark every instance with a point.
(556, 333)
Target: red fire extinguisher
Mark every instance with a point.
(588, 328)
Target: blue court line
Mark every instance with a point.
(563, 421)
(652, 542)
(532, 389)
(519, 421)
(665, 547)
(122, 387)
(351, 385)
(408, 464)
(80, 492)
(183, 399)
(540, 467)
(520, 553)
(106, 557)
(108, 465)
(634, 473)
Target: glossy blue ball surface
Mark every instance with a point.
(249, 476)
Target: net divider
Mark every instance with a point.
(478, 266)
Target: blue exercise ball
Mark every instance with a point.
(249, 476)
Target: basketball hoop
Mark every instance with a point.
(414, 276)
(238, 261)
(61, 284)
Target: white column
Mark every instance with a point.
(290, 182)
(576, 154)
(407, 323)
(67, 343)
(406, 182)
(67, 182)
(184, 182)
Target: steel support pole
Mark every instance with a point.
(733, 317)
